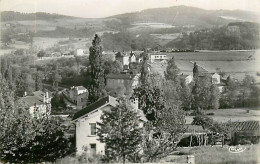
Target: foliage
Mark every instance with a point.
(162, 140)
(120, 130)
(172, 70)
(25, 139)
(97, 85)
(245, 36)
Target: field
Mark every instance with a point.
(224, 115)
(234, 63)
(219, 155)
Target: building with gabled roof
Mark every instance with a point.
(38, 104)
(86, 124)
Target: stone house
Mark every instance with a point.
(38, 104)
(86, 124)
(123, 58)
(79, 96)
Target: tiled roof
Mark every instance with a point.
(132, 54)
(39, 94)
(81, 88)
(247, 125)
(32, 100)
(120, 54)
(119, 76)
(95, 105)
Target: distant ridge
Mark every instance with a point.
(17, 16)
(184, 15)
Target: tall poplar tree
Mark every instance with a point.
(97, 85)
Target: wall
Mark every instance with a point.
(83, 137)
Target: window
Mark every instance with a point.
(92, 129)
(92, 149)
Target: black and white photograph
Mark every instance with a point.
(129, 81)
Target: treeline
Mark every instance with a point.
(17, 16)
(235, 36)
(125, 41)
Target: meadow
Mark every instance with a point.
(219, 155)
(234, 63)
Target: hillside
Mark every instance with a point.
(183, 15)
(17, 16)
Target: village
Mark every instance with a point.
(173, 85)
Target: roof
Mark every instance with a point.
(95, 105)
(121, 54)
(247, 125)
(119, 76)
(32, 100)
(39, 94)
(132, 54)
(81, 88)
(183, 75)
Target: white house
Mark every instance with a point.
(82, 52)
(123, 58)
(39, 104)
(215, 77)
(132, 57)
(187, 78)
(157, 57)
(86, 124)
(79, 96)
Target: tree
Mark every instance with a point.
(24, 139)
(172, 70)
(214, 97)
(5, 37)
(144, 69)
(162, 140)
(38, 81)
(97, 85)
(56, 79)
(41, 54)
(120, 130)
(195, 71)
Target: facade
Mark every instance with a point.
(187, 78)
(127, 80)
(215, 78)
(157, 57)
(86, 124)
(78, 95)
(39, 104)
(123, 58)
(132, 57)
(81, 52)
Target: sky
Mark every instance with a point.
(105, 8)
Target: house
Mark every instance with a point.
(129, 81)
(157, 57)
(38, 104)
(132, 57)
(86, 124)
(187, 78)
(215, 78)
(82, 52)
(123, 58)
(78, 95)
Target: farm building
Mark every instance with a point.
(86, 124)
(246, 131)
(119, 81)
(157, 57)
